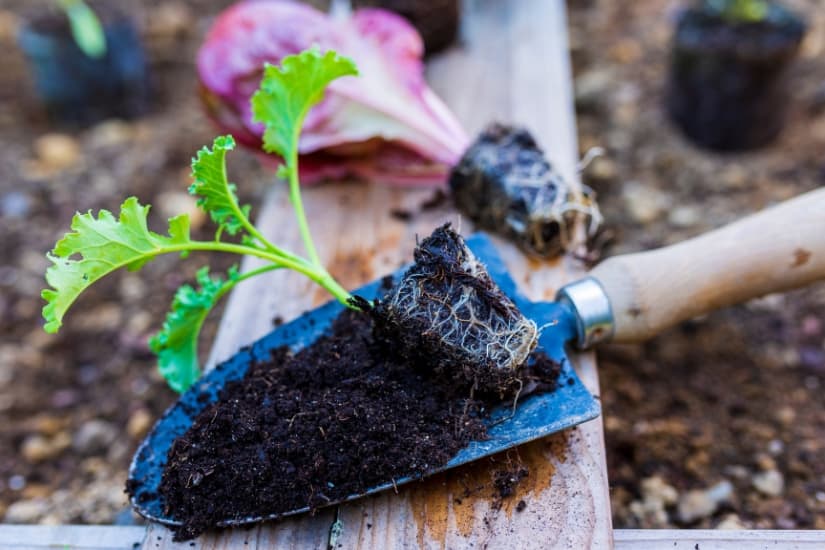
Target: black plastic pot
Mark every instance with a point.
(79, 89)
(436, 20)
(727, 88)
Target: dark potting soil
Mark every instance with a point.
(303, 430)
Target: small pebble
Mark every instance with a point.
(170, 20)
(602, 170)
(734, 176)
(737, 471)
(731, 522)
(644, 204)
(15, 204)
(106, 316)
(173, 203)
(812, 357)
(811, 325)
(110, 134)
(17, 482)
(132, 288)
(139, 423)
(94, 437)
(657, 494)
(27, 511)
(36, 448)
(684, 216)
(626, 51)
(770, 483)
(658, 489)
(786, 415)
(701, 503)
(57, 151)
(765, 462)
(775, 447)
(591, 88)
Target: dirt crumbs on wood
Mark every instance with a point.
(505, 481)
(505, 484)
(307, 429)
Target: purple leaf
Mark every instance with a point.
(386, 125)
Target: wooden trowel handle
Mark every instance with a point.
(777, 249)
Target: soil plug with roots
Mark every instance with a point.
(505, 184)
(447, 309)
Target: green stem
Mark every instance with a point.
(298, 205)
(244, 276)
(251, 229)
(314, 272)
(248, 275)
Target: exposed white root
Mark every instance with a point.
(462, 320)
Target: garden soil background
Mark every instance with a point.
(731, 402)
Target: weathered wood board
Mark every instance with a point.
(709, 539)
(512, 66)
(75, 537)
(106, 537)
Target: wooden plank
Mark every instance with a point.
(76, 537)
(709, 539)
(107, 537)
(512, 67)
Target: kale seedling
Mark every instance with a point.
(85, 26)
(100, 245)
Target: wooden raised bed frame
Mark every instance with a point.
(512, 66)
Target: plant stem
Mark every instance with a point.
(314, 272)
(298, 206)
(244, 276)
(251, 229)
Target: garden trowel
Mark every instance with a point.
(625, 299)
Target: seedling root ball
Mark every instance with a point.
(447, 308)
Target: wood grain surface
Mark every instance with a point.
(511, 66)
(110, 537)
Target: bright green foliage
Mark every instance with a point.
(176, 345)
(99, 246)
(86, 28)
(748, 11)
(284, 98)
(216, 194)
(104, 244)
(288, 91)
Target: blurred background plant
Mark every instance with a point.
(740, 10)
(728, 79)
(86, 60)
(86, 28)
